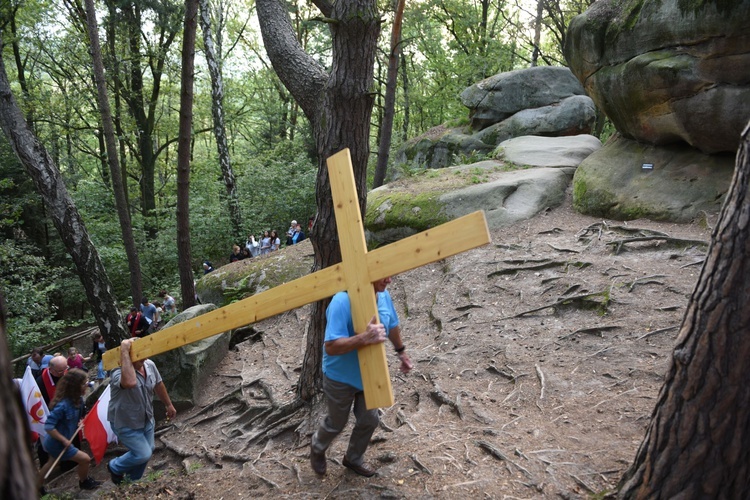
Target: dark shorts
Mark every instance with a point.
(54, 447)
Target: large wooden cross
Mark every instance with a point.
(355, 274)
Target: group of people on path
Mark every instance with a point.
(147, 317)
(134, 384)
(130, 413)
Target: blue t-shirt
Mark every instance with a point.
(148, 312)
(344, 368)
(42, 365)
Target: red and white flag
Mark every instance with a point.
(96, 427)
(36, 408)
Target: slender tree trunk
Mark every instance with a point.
(213, 59)
(62, 211)
(537, 31)
(126, 227)
(405, 94)
(184, 263)
(386, 126)
(17, 469)
(698, 442)
(117, 86)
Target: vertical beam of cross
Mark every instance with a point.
(372, 359)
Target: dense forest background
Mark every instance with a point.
(259, 176)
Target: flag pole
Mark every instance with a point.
(63, 452)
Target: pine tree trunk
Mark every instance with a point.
(126, 227)
(184, 262)
(61, 209)
(339, 107)
(17, 469)
(386, 125)
(698, 442)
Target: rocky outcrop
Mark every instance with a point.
(548, 151)
(667, 71)
(501, 96)
(545, 101)
(185, 370)
(247, 277)
(677, 183)
(533, 176)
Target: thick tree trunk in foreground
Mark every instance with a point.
(698, 442)
(60, 208)
(339, 106)
(17, 469)
(184, 263)
(126, 227)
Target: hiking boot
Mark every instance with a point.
(89, 484)
(362, 470)
(318, 462)
(116, 478)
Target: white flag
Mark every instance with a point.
(36, 408)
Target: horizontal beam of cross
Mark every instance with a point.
(417, 250)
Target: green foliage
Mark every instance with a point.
(278, 187)
(29, 284)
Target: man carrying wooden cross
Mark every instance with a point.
(342, 379)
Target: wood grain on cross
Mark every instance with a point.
(355, 274)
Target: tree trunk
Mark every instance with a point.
(62, 211)
(405, 95)
(537, 32)
(213, 59)
(386, 126)
(184, 264)
(339, 107)
(17, 469)
(126, 227)
(698, 442)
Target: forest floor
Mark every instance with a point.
(537, 363)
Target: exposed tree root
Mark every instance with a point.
(665, 239)
(587, 300)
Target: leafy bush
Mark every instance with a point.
(29, 283)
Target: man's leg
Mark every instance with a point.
(367, 422)
(339, 399)
(140, 445)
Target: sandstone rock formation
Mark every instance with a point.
(667, 71)
(545, 101)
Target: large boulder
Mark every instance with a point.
(548, 151)
(678, 182)
(666, 71)
(508, 191)
(441, 147)
(186, 369)
(499, 97)
(571, 116)
(247, 277)
(544, 100)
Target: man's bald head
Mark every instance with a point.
(58, 365)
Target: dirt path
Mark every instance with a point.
(501, 404)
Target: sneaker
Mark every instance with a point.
(116, 478)
(89, 483)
